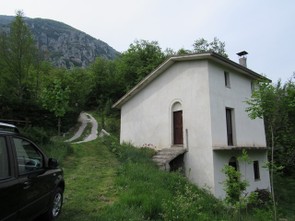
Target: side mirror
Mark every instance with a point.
(52, 163)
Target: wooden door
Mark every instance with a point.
(177, 128)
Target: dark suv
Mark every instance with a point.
(31, 184)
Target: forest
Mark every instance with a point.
(40, 95)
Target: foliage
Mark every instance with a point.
(107, 83)
(275, 104)
(80, 83)
(285, 196)
(58, 150)
(37, 134)
(55, 98)
(201, 45)
(237, 199)
(138, 61)
(18, 55)
(155, 194)
(234, 186)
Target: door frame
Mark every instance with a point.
(176, 107)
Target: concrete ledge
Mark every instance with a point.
(165, 156)
(239, 148)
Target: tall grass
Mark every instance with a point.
(285, 195)
(53, 147)
(146, 193)
(58, 150)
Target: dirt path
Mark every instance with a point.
(84, 119)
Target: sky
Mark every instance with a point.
(263, 28)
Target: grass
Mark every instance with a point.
(285, 196)
(89, 173)
(106, 181)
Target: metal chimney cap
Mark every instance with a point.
(242, 53)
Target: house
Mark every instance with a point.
(196, 102)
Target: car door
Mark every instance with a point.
(35, 191)
(9, 185)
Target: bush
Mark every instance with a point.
(38, 134)
(58, 150)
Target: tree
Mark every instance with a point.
(106, 83)
(201, 45)
(268, 102)
(81, 83)
(55, 98)
(17, 57)
(138, 61)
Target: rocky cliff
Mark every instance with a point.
(63, 45)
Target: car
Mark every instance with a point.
(31, 184)
(8, 127)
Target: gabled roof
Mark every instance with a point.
(211, 56)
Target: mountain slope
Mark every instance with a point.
(63, 45)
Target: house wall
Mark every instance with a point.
(199, 87)
(248, 133)
(147, 117)
(221, 158)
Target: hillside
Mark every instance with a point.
(63, 45)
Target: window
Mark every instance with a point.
(229, 126)
(234, 163)
(28, 157)
(256, 170)
(226, 79)
(4, 164)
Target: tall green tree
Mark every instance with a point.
(81, 83)
(276, 104)
(17, 58)
(55, 98)
(107, 84)
(139, 60)
(201, 45)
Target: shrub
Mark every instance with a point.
(37, 134)
(58, 150)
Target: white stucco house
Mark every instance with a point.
(197, 102)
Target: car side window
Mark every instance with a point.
(4, 164)
(28, 157)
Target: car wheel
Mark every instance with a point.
(55, 206)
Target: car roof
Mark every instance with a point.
(8, 127)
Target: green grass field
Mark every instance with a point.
(90, 175)
(106, 181)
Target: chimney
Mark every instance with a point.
(243, 58)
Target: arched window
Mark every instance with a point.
(234, 163)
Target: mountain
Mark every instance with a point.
(63, 45)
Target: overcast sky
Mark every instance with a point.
(264, 28)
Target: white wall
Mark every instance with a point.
(248, 133)
(147, 117)
(222, 157)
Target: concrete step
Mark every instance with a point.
(165, 156)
